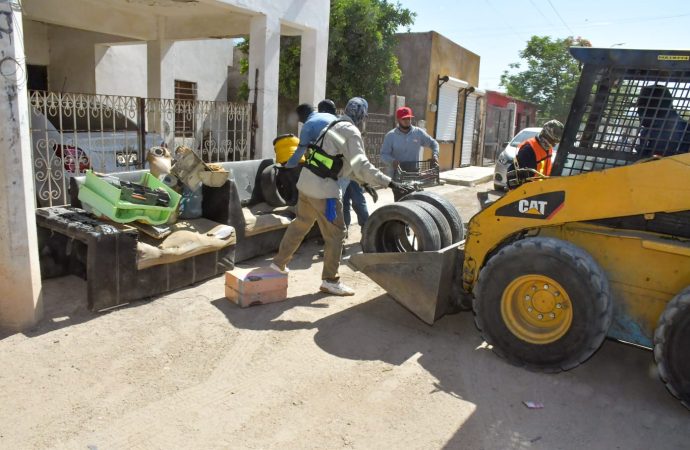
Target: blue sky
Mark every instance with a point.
(498, 29)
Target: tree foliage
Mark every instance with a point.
(243, 46)
(361, 44)
(288, 84)
(549, 78)
(288, 72)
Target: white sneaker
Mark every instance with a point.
(278, 269)
(336, 288)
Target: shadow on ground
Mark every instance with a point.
(64, 305)
(618, 382)
(64, 298)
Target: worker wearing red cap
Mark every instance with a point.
(403, 143)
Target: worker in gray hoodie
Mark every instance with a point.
(339, 152)
(403, 144)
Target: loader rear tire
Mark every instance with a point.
(671, 341)
(447, 209)
(543, 304)
(386, 230)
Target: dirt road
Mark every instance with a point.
(191, 370)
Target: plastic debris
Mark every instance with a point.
(223, 232)
(533, 405)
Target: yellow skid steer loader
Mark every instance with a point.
(601, 248)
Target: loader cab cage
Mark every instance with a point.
(629, 105)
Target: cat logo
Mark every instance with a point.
(542, 206)
(532, 207)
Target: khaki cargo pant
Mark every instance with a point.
(308, 211)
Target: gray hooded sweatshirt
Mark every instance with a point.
(343, 138)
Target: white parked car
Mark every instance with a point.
(505, 158)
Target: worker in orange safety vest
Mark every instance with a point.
(536, 153)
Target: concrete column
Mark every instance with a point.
(160, 82)
(264, 54)
(160, 78)
(313, 62)
(20, 275)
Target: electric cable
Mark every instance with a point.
(561, 18)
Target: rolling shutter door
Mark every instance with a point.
(468, 130)
(447, 112)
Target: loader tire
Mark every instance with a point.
(671, 341)
(390, 228)
(543, 304)
(439, 219)
(269, 186)
(447, 209)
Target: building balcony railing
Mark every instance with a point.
(71, 133)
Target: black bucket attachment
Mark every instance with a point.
(426, 283)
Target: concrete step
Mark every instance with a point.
(468, 176)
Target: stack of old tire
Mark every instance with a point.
(278, 183)
(421, 221)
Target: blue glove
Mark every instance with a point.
(331, 211)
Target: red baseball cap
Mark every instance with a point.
(404, 113)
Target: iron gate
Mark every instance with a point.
(375, 129)
(71, 133)
(498, 131)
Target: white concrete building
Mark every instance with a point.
(74, 60)
(112, 47)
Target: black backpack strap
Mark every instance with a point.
(322, 135)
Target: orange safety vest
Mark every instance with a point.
(542, 156)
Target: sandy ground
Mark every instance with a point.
(192, 370)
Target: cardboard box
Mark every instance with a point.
(259, 298)
(247, 287)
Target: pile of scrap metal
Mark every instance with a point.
(171, 189)
(188, 169)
